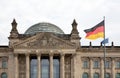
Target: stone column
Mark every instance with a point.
(27, 66)
(16, 66)
(91, 68)
(102, 67)
(113, 68)
(73, 66)
(51, 65)
(62, 71)
(39, 66)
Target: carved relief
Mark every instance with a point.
(46, 41)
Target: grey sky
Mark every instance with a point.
(61, 13)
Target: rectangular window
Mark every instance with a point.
(85, 64)
(45, 63)
(4, 62)
(33, 67)
(96, 64)
(118, 64)
(107, 64)
(56, 67)
(117, 75)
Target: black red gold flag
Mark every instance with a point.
(95, 32)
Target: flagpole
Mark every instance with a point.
(104, 50)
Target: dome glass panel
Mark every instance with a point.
(44, 27)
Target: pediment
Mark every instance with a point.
(45, 40)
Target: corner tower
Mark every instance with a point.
(75, 34)
(14, 33)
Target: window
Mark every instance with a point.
(85, 75)
(96, 64)
(33, 66)
(117, 75)
(85, 64)
(4, 75)
(118, 64)
(107, 75)
(56, 67)
(45, 67)
(96, 75)
(107, 64)
(4, 62)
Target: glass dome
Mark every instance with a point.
(44, 27)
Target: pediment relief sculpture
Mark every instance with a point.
(45, 41)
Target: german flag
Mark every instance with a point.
(95, 32)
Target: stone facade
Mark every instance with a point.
(75, 61)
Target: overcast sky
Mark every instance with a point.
(87, 13)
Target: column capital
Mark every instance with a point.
(16, 54)
(38, 54)
(27, 54)
(113, 58)
(73, 55)
(102, 58)
(62, 54)
(51, 54)
(91, 58)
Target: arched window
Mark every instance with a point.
(96, 75)
(85, 75)
(107, 75)
(117, 75)
(4, 75)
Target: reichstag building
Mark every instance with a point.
(45, 51)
